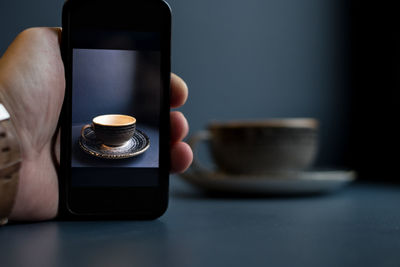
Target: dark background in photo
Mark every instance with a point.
(116, 82)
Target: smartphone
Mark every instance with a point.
(114, 160)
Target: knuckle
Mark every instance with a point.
(29, 32)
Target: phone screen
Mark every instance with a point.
(116, 94)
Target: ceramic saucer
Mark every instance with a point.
(138, 144)
(308, 182)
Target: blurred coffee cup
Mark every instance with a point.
(259, 147)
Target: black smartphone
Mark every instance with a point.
(115, 117)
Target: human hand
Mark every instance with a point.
(32, 87)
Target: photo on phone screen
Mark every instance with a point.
(116, 90)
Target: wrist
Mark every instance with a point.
(10, 162)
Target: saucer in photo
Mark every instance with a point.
(137, 145)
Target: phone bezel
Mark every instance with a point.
(121, 202)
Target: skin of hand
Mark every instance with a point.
(32, 87)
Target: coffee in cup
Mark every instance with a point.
(260, 147)
(112, 129)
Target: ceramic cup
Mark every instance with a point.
(112, 129)
(260, 147)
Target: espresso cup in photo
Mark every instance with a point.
(260, 147)
(112, 129)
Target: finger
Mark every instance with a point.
(179, 126)
(179, 91)
(57, 143)
(181, 157)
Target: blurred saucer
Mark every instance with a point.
(138, 144)
(308, 182)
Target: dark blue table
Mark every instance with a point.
(358, 226)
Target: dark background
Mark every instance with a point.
(116, 82)
(333, 60)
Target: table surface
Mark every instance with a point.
(357, 226)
